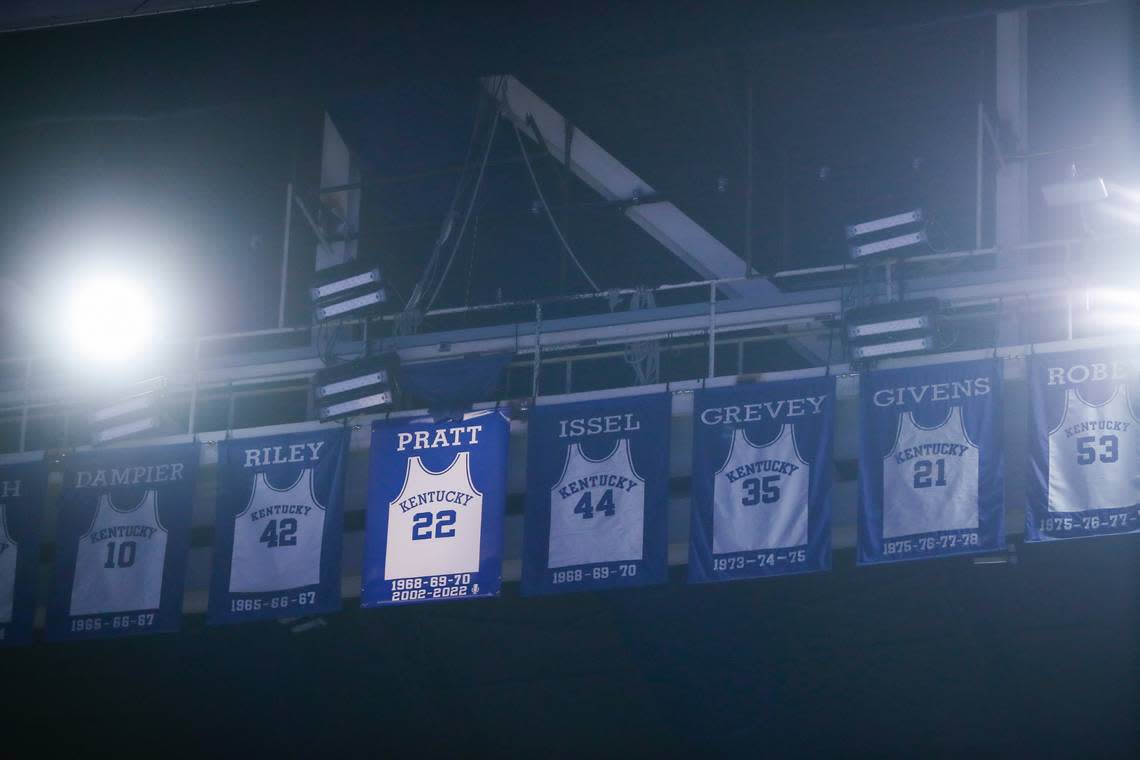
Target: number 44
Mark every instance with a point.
(586, 506)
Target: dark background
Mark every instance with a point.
(940, 658)
(182, 130)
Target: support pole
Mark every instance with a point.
(24, 411)
(191, 427)
(285, 253)
(712, 331)
(980, 148)
(537, 349)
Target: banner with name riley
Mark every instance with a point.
(597, 494)
(761, 480)
(930, 462)
(122, 541)
(1084, 444)
(280, 518)
(22, 488)
(436, 500)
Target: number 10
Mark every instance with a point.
(125, 556)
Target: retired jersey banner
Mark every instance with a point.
(1084, 444)
(436, 500)
(280, 518)
(761, 480)
(122, 541)
(597, 494)
(930, 462)
(22, 488)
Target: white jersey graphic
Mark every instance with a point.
(597, 509)
(930, 478)
(119, 561)
(1094, 455)
(760, 500)
(8, 549)
(435, 524)
(278, 537)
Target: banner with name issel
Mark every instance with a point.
(122, 542)
(930, 462)
(436, 500)
(597, 494)
(280, 518)
(761, 480)
(22, 489)
(1084, 444)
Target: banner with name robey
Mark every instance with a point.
(122, 541)
(1084, 444)
(597, 494)
(22, 489)
(761, 480)
(436, 500)
(930, 462)
(280, 518)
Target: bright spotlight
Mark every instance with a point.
(109, 319)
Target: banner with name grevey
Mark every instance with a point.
(22, 490)
(122, 541)
(597, 494)
(761, 480)
(1084, 444)
(436, 500)
(280, 517)
(930, 462)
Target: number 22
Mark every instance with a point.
(444, 524)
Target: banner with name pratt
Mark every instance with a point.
(436, 500)
(597, 494)
(22, 489)
(280, 518)
(122, 541)
(930, 462)
(1084, 444)
(761, 480)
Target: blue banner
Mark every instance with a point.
(280, 517)
(22, 489)
(597, 494)
(761, 480)
(122, 541)
(1084, 444)
(930, 462)
(436, 500)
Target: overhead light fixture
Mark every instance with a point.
(892, 328)
(125, 430)
(136, 414)
(130, 407)
(1075, 192)
(110, 319)
(349, 389)
(356, 406)
(887, 224)
(351, 288)
(893, 348)
(890, 244)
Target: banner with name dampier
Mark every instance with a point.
(277, 535)
(122, 541)
(930, 462)
(1084, 444)
(597, 494)
(761, 480)
(22, 489)
(436, 500)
